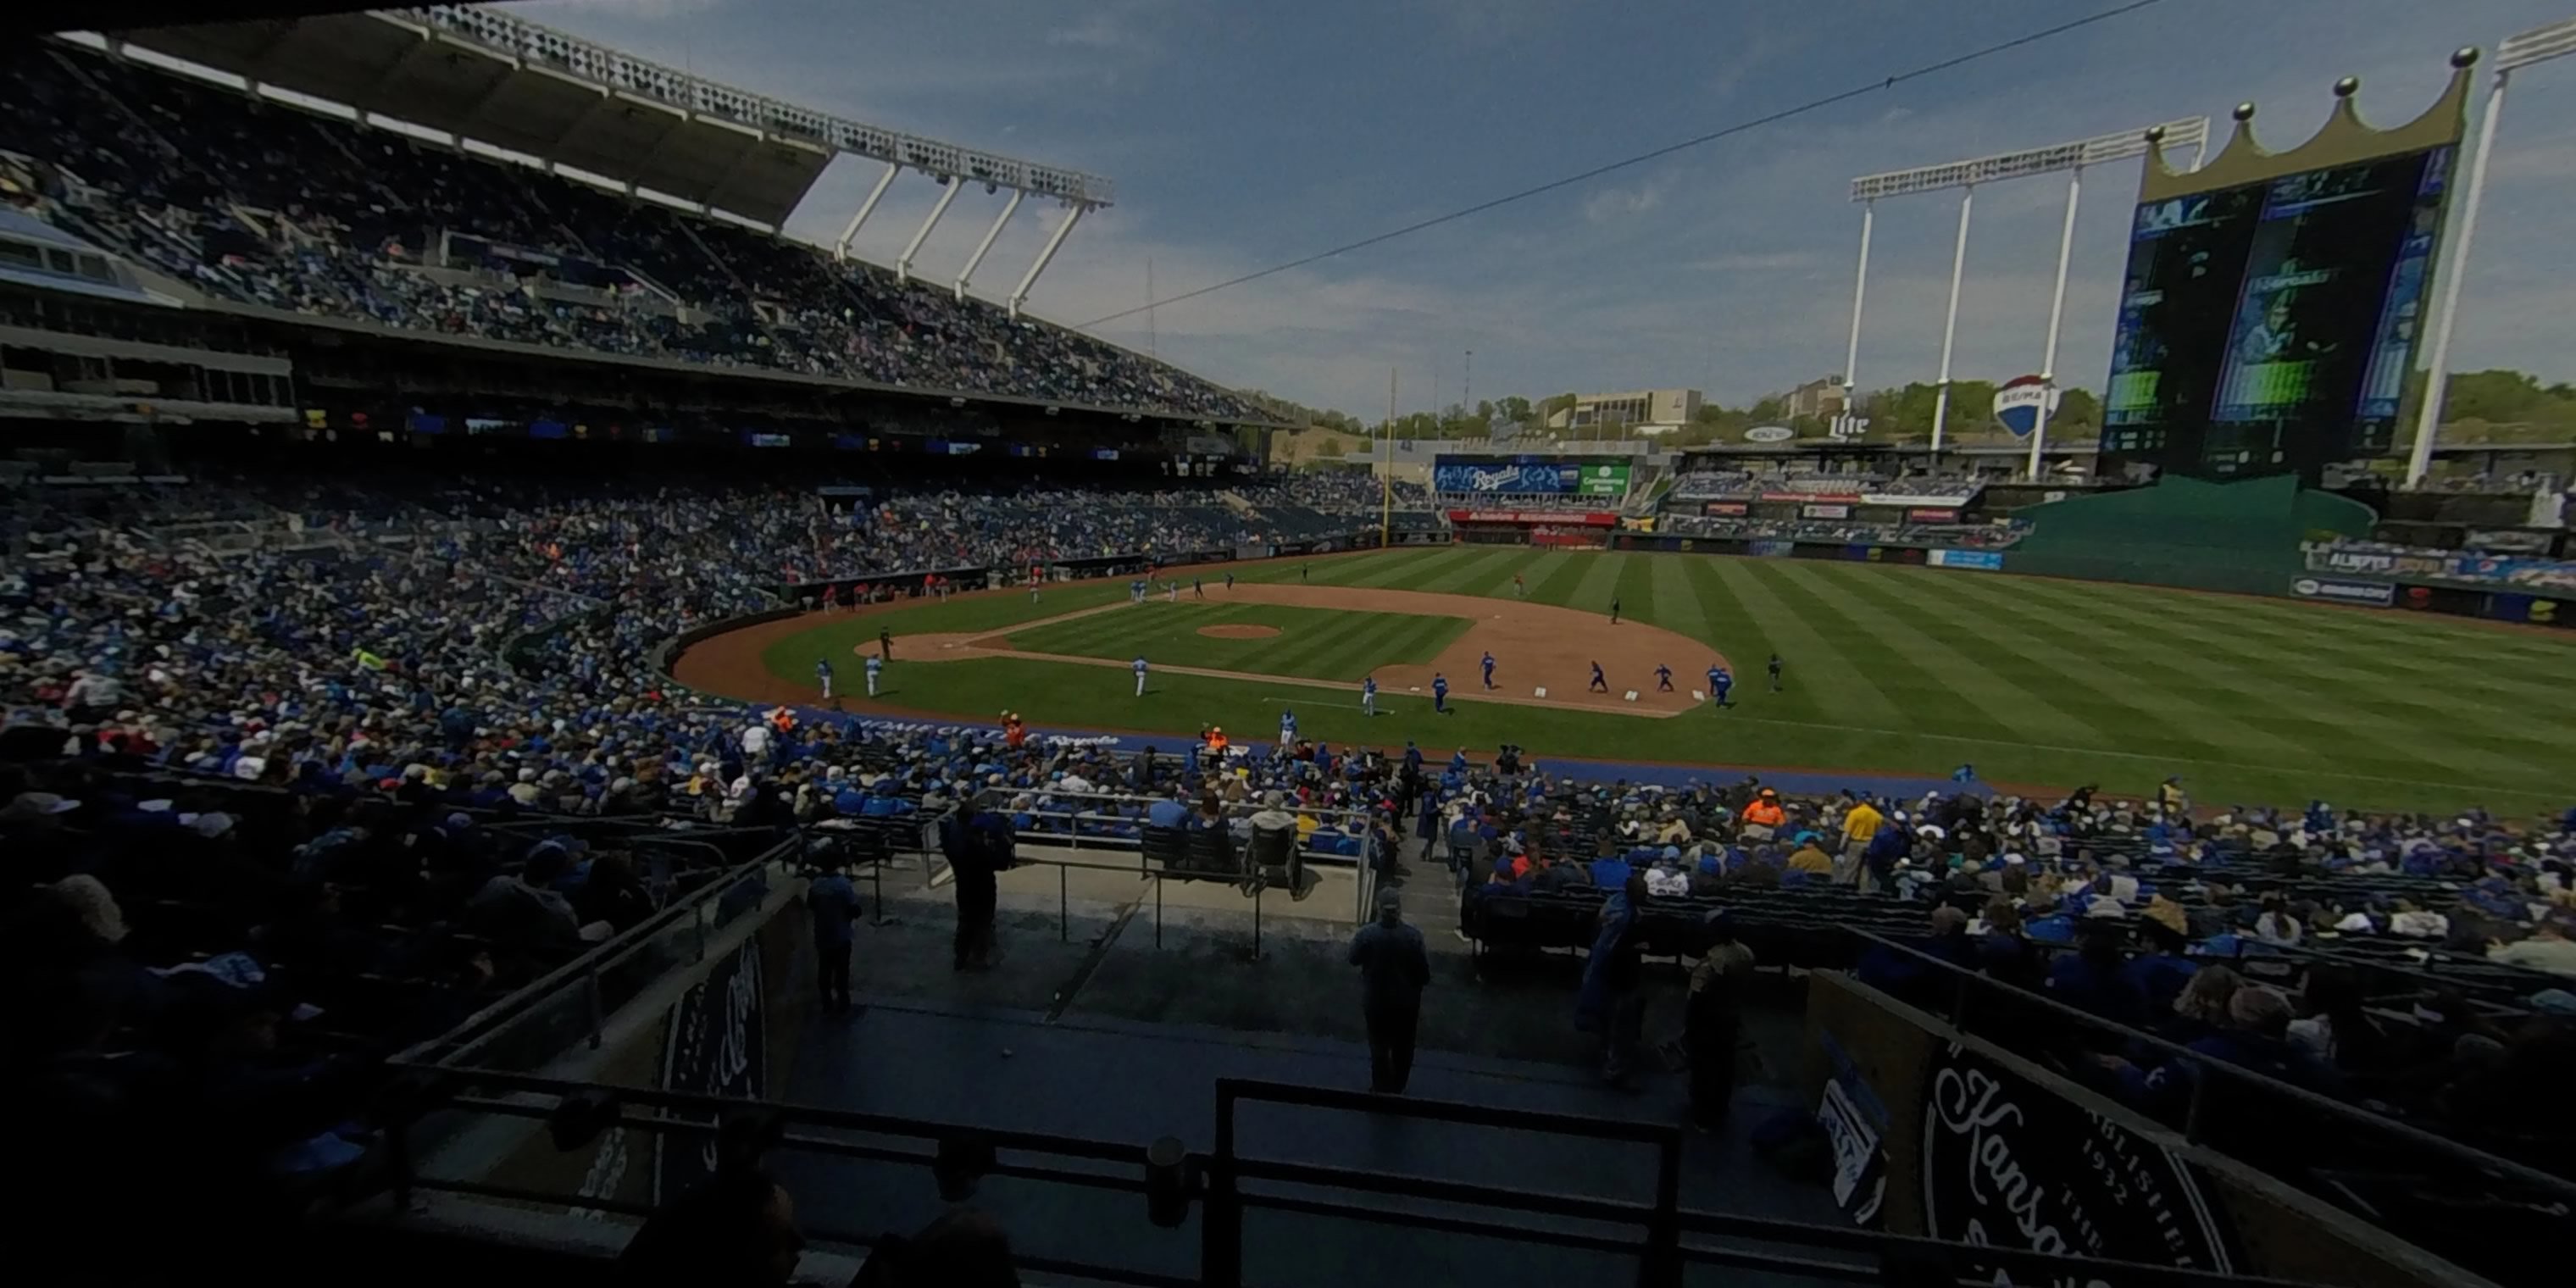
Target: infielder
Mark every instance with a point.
(823, 676)
(1718, 683)
(1139, 664)
(1489, 670)
(1663, 678)
(875, 665)
(1439, 694)
(1599, 683)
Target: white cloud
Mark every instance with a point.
(1777, 261)
(1619, 203)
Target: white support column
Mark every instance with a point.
(986, 245)
(841, 248)
(2437, 378)
(1860, 292)
(1020, 294)
(903, 266)
(2056, 318)
(1950, 322)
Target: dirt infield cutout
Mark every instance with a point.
(1542, 651)
(1238, 631)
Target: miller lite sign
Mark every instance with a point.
(1847, 426)
(2019, 403)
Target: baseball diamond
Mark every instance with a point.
(1889, 669)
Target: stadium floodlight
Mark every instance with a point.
(2539, 45)
(2068, 158)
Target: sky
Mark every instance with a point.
(1241, 135)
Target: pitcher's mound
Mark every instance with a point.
(1238, 631)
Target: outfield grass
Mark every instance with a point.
(1312, 643)
(1904, 670)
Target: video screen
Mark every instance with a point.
(2271, 328)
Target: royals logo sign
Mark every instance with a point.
(2010, 1164)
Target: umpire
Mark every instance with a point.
(1394, 968)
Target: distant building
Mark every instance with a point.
(1598, 412)
(1822, 399)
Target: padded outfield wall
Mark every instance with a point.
(2241, 537)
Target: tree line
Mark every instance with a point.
(2478, 406)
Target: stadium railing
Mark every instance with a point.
(1654, 1242)
(2372, 1158)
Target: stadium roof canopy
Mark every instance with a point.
(485, 74)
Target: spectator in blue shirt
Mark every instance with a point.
(834, 903)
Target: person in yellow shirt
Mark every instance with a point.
(1860, 826)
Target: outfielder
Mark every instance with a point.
(1368, 696)
(1139, 664)
(823, 676)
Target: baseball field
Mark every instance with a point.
(1887, 669)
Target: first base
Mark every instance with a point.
(1538, 693)
(1632, 695)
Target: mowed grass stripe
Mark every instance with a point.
(1532, 572)
(1732, 631)
(1670, 601)
(1600, 575)
(1558, 588)
(2214, 628)
(1847, 694)
(1951, 690)
(1455, 580)
(1405, 574)
(2148, 693)
(2386, 647)
(2336, 726)
(1357, 644)
(1635, 589)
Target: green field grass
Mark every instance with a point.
(1908, 670)
(1312, 643)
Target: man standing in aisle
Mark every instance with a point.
(874, 664)
(834, 903)
(1394, 969)
(823, 676)
(1139, 665)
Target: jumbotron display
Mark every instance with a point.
(2269, 327)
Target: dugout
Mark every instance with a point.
(2242, 537)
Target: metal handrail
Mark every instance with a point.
(2558, 1187)
(1210, 1179)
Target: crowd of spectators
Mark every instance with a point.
(267, 204)
(1981, 536)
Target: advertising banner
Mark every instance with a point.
(1824, 511)
(1931, 516)
(1982, 560)
(2508, 541)
(1846, 498)
(2373, 594)
(2532, 609)
(1603, 480)
(1771, 549)
(716, 1047)
(1726, 509)
(1943, 499)
(1594, 520)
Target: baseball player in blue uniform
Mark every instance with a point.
(875, 664)
(1775, 673)
(1718, 683)
(1287, 728)
(1489, 670)
(1599, 684)
(1368, 696)
(1439, 693)
(823, 675)
(1663, 678)
(1139, 665)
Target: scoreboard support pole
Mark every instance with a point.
(1950, 320)
(2056, 319)
(1860, 292)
